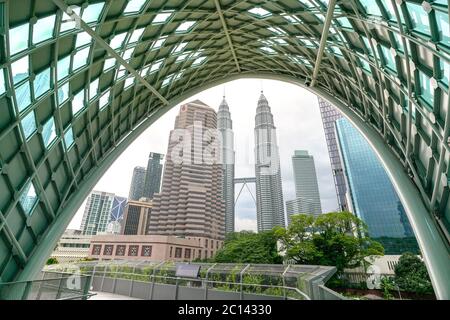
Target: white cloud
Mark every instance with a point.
(245, 224)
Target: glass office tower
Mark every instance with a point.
(371, 195)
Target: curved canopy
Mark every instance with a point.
(74, 92)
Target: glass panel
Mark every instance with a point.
(158, 43)
(2, 81)
(419, 18)
(136, 35)
(41, 83)
(162, 17)
(49, 132)
(104, 99)
(43, 29)
(80, 58)
(128, 53)
(399, 42)
(63, 67)
(198, 61)
(344, 22)
(18, 38)
(445, 71)
(167, 81)
(388, 58)
(365, 65)
(134, 6)
(82, 39)
(28, 198)
(180, 47)
(20, 69)
(426, 91)
(117, 41)
(68, 138)
(67, 23)
(185, 26)
(260, 12)
(371, 7)
(128, 82)
(23, 96)
(92, 12)
(443, 26)
(93, 88)
(144, 71)
(156, 66)
(109, 63)
(28, 124)
(63, 93)
(78, 102)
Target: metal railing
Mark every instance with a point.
(62, 286)
(236, 289)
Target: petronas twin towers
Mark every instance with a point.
(269, 193)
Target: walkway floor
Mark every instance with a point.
(109, 296)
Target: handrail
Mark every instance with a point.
(177, 279)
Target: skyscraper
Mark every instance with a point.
(153, 175)
(190, 203)
(329, 115)
(225, 126)
(136, 217)
(137, 183)
(371, 194)
(116, 215)
(307, 196)
(269, 193)
(97, 213)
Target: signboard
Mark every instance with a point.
(188, 271)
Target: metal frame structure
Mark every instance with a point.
(244, 182)
(384, 64)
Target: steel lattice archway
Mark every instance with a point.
(74, 94)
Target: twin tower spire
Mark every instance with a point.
(269, 194)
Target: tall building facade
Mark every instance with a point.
(225, 126)
(136, 218)
(153, 175)
(97, 213)
(116, 215)
(190, 203)
(269, 192)
(329, 115)
(307, 196)
(137, 183)
(371, 195)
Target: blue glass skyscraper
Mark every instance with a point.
(371, 195)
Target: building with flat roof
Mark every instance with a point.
(137, 183)
(152, 248)
(307, 196)
(190, 203)
(72, 246)
(97, 212)
(136, 217)
(371, 195)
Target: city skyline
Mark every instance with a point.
(288, 102)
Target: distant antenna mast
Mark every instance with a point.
(262, 86)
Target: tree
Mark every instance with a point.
(249, 247)
(411, 274)
(52, 261)
(335, 239)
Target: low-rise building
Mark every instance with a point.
(72, 247)
(152, 248)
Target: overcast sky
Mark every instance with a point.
(299, 127)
